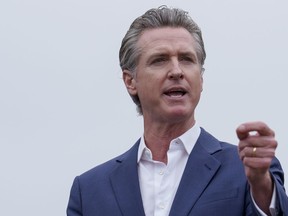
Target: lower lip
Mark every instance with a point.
(175, 97)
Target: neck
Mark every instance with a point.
(158, 137)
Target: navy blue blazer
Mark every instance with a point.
(213, 183)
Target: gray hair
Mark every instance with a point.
(163, 16)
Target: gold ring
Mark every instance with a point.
(254, 151)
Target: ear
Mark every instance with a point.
(201, 83)
(202, 72)
(129, 82)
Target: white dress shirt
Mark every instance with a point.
(159, 181)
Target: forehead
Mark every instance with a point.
(168, 38)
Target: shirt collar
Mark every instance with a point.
(188, 139)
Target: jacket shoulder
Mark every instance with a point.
(102, 171)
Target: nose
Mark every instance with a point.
(175, 71)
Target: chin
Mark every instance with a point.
(180, 114)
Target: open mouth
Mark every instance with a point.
(175, 93)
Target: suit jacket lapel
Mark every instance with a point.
(200, 169)
(125, 183)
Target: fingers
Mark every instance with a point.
(256, 147)
(244, 130)
(256, 152)
(259, 164)
(257, 141)
(256, 135)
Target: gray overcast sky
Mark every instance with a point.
(61, 93)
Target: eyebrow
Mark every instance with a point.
(157, 55)
(163, 54)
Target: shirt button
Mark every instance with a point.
(161, 173)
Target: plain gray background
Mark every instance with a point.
(63, 105)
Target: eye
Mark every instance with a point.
(158, 61)
(186, 59)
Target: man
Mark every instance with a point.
(177, 168)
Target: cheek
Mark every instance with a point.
(149, 88)
(197, 83)
(196, 89)
(150, 82)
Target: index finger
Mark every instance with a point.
(244, 130)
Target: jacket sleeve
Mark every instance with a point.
(281, 196)
(281, 205)
(74, 204)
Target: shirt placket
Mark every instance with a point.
(160, 176)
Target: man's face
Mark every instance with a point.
(168, 78)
